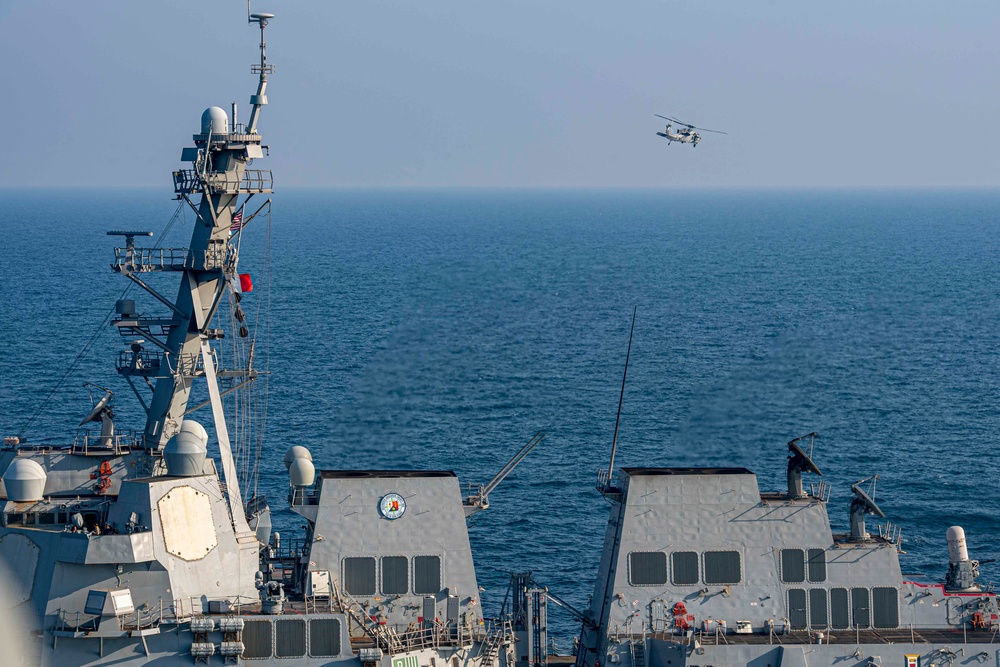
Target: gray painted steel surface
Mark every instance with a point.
(127, 552)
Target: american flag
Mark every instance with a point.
(237, 224)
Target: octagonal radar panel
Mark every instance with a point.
(187, 523)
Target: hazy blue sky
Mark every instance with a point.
(514, 93)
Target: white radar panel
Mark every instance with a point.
(392, 506)
(187, 523)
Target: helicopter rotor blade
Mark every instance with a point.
(688, 125)
(680, 122)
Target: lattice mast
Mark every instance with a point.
(183, 341)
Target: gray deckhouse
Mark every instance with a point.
(700, 567)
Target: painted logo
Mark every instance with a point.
(392, 506)
(406, 661)
(912, 660)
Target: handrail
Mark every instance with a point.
(143, 260)
(187, 181)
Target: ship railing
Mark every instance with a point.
(439, 635)
(429, 635)
(302, 495)
(74, 621)
(252, 181)
(143, 260)
(289, 549)
(475, 495)
(91, 442)
(184, 609)
(142, 618)
(146, 326)
(607, 483)
(156, 364)
(890, 532)
(143, 363)
(820, 491)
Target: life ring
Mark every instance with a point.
(680, 609)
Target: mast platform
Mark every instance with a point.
(253, 181)
(146, 260)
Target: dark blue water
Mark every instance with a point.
(441, 329)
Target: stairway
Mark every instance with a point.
(638, 653)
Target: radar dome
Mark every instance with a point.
(191, 426)
(296, 452)
(301, 472)
(185, 455)
(24, 480)
(214, 120)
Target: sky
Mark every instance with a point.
(520, 93)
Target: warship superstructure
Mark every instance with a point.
(128, 548)
(699, 567)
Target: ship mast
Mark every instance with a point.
(184, 337)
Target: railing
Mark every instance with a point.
(143, 363)
(92, 442)
(156, 364)
(142, 618)
(606, 483)
(820, 491)
(187, 181)
(144, 260)
(475, 495)
(437, 636)
(184, 609)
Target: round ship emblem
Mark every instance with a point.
(392, 506)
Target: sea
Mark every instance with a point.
(441, 329)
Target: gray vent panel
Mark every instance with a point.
(817, 608)
(324, 637)
(359, 576)
(817, 565)
(647, 568)
(860, 608)
(797, 608)
(290, 638)
(722, 567)
(257, 639)
(885, 607)
(426, 575)
(395, 575)
(684, 565)
(793, 569)
(840, 606)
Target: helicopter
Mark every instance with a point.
(685, 134)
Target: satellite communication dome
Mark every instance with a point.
(191, 426)
(301, 472)
(185, 455)
(214, 120)
(24, 480)
(296, 452)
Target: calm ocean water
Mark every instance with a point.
(441, 329)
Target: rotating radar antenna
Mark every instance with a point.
(800, 462)
(862, 504)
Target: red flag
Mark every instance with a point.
(246, 282)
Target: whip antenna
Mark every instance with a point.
(621, 397)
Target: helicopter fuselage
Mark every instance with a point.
(684, 136)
